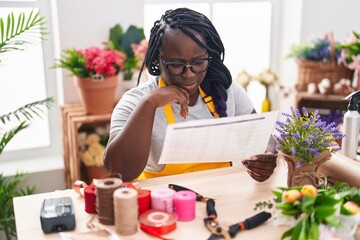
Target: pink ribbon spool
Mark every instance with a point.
(162, 199)
(184, 205)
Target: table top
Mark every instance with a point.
(234, 191)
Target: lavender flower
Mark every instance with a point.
(306, 136)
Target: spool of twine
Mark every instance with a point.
(104, 199)
(126, 210)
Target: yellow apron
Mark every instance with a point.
(171, 169)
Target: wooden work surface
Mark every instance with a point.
(234, 191)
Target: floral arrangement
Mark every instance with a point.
(350, 52)
(92, 62)
(267, 77)
(306, 136)
(92, 146)
(316, 213)
(315, 49)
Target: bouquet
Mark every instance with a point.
(306, 136)
(316, 213)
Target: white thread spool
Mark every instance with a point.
(126, 211)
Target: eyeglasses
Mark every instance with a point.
(178, 68)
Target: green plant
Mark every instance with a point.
(91, 62)
(310, 207)
(315, 49)
(9, 188)
(16, 35)
(306, 136)
(122, 42)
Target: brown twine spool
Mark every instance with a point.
(126, 211)
(104, 199)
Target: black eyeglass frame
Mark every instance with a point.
(185, 66)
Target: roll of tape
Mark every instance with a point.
(184, 205)
(157, 222)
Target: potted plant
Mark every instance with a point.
(129, 42)
(95, 72)
(305, 142)
(317, 60)
(15, 36)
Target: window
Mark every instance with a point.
(245, 28)
(26, 76)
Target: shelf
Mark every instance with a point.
(73, 117)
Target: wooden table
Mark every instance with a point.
(235, 193)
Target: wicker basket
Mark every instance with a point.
(314, 72)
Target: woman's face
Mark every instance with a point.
(178, 47)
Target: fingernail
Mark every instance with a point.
(245, 162)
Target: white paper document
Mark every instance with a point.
(218, 140)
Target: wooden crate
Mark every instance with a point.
(73, 117)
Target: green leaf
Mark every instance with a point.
(288, 233)
(297, 230)
(314, 231)
(321, 212)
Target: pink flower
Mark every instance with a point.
(355, 64)
(104, 61)
(140, 50)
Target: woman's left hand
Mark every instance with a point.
(261, 167)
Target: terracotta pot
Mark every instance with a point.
(97, 95)
(306, 173)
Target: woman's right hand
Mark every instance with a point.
(166, 95)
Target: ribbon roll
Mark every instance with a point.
(144, 200)
(156, 222)
(162, 199)
(90, 199)
(184, 205)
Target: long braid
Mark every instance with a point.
(218, 78)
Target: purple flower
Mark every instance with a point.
(298, 164)
(293, 151)
(296, 135)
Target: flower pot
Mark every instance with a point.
(97, 95)
(305, 173)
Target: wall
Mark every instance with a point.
(85, 23)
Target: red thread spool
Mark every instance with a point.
(143, 200)
(90, 199)
(157, 222)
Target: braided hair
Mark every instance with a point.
(218, 77)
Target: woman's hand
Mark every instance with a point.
(261, 167)
(166, 95)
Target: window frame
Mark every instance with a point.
(54, 148)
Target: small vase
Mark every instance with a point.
(266, 104)
(305, 173)
(97, 95)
